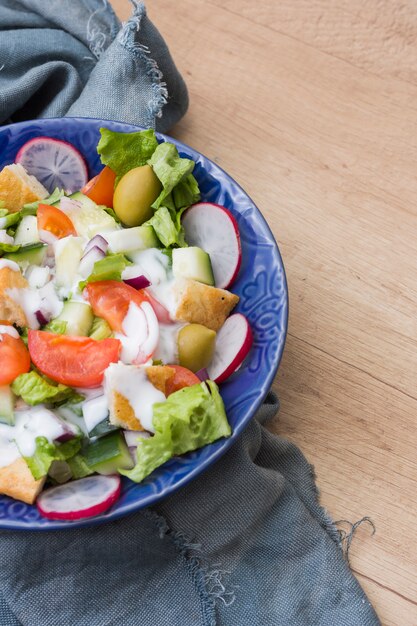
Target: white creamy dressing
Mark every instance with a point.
(10, 264)
(95, 410)
(30, 300)
(140, 333)
(19, 440)
(5, 329)
(37, 276)
(167, 348)
(132, 383)
(155, 265)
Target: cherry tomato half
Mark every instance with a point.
(100, 189)
(54, 221)
(14, 358)
(182, 378)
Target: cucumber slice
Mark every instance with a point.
(6, 405)
(108, 454)
(33, 254)
(79, 318)
(129, 239)
(192, 263)
(89, 219)
(27, 231)
(103, 428)
(68, 253)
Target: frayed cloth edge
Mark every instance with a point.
(126, 39)
(207, 579)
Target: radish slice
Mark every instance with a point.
(54, 163)
(214, 229)
(233, 342)
(80, 498)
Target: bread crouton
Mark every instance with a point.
(16, 481)
(121, 411)
(10, 311)
(200, 304)
(17, 187)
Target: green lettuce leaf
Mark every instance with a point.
(56, 326)
(170, 168)
(100, 329)
(32, 207)
(9, 219)
(166, 229)
(34, 389)
(183, 195)
(109, 268)
(9, 247)
(46, 453)
(79, 467)
(124, 151)
(189, 419)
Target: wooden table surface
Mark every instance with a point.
(312, 106)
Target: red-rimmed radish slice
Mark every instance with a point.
(54, 163)
(214, 229)
(233, 342)
(79, 499)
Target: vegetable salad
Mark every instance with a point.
(110, 320)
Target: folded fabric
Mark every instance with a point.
(72, 58)
(247, 542)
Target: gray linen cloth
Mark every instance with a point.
(247, 543)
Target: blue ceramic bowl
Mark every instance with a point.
(262, 288)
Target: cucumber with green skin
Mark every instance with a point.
(27, 231)
(79, 318)
(108, 454)
(33, 254)
(194, 263)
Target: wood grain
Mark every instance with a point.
(311, 106)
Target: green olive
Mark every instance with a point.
(135, 193)
(196, 346)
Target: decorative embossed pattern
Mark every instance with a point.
(261, 285)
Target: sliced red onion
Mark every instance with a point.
(43, 317)
(137, 282)
(87, 262)
(68, 205)
(203, 374)
(97, 242)
(46, 236)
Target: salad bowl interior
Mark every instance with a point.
(260, 284)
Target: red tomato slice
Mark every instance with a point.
(183, 377)
(110, 299)
(100, 189)
(14, 358)
(74, 361)
(54, 221)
